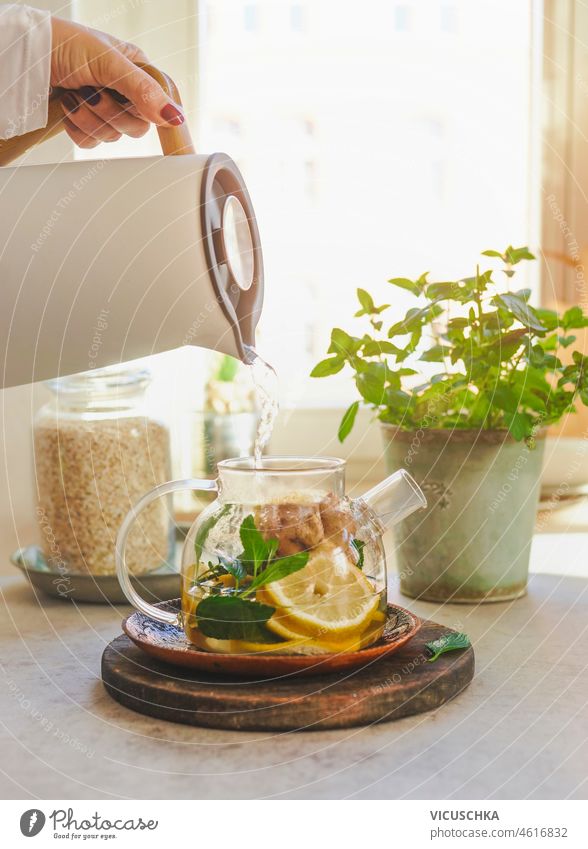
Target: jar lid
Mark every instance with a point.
(110, 380)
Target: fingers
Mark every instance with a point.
(111, 111)
(114, 70)
(87, 124)
(77, 136)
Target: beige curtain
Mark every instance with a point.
(564, 189)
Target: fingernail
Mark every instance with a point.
(89, 94)
(172, 115)
(70, 102)
(120, 98)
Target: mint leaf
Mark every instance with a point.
(205, 529)
(232, 618)
(359, 546)
(348, 421)
(278, 569)
(342, 343)
(404, 283)
(256, 550)
(236, 568)
(366, 301)
(325, 368)
(574, 318)
(448, 642)
(521, 310)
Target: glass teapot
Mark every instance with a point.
(282, 560)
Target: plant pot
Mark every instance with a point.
(472, 542)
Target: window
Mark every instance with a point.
(363, 162)
(401, 18)
(310, 179)
(448, 18)
(297, 18)
(250, 17)
(418, 165)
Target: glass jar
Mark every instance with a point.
(222, 425)
(97, 449)
(283, 560)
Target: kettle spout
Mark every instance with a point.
(395, 498)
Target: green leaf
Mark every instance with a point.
(448, 291)
(435, 354)
(505, 345)
(228, 369)
(515, 255)
(511, 255)
(366, 301)
(415, 338)
(348, 421)
(371, 382)
(205, 529)
(519, 425)
(233, 618)
(566, 341)
(520, 309)
(236, 568)
(256, 550)
(343, 343)
(549, 318)
(359, 545)
(551, 362)
(448, 642)
(574, 319)
(457, 323)
(537, 356)
(331, 365)
(413, 320)
(375, 348)
(278, 569)
(367, 304)
(398, 402)
(405, 283)
(504, 398)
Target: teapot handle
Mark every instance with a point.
(122, 570)
(174, 140)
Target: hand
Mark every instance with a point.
(87, 61)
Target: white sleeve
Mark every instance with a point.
(25, 62)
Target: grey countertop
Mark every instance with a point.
(519, 730)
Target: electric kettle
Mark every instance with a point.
(107, 261)
(282, 560)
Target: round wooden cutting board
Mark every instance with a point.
(400, 684)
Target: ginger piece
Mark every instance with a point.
(338, 522)
(297, 527)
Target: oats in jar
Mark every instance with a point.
(96, 454)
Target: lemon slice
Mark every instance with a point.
(299, 645)
(332, 645)
(329, 598)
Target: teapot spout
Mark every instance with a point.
(395, 498)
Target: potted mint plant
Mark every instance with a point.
(464, 386)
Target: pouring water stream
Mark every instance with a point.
(265, 381)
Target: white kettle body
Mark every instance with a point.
(107, 261)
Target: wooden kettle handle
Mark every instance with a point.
(174, 141)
